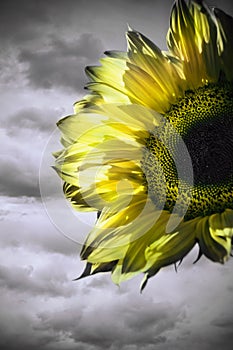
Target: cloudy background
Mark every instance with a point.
(45, 46)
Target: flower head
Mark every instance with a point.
(150, 148)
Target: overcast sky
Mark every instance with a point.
(45, 46)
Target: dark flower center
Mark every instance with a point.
(203, 124)
(210, 146)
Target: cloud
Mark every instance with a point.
(49, 311)
(50, 43)
(42, 308)
(15, 182)
(32, 18)
(17, 19)
(62, 63)
(24, 135)
(18, 172)
(223, 321)
(25, 223)
(25, 279)
(32, 118)
(112, 329)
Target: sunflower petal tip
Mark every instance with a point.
(87, 68)
(86, 272)
(144, 283)
(130, 29)
(199, 255)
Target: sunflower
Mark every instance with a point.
(150, 148)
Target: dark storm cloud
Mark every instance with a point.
(29, 22)
(22, 20)
(37, 32)
(62, 64)
(19, 20)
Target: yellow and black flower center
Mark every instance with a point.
(203, 122)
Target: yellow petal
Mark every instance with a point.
(171, 247)
(87, 101)
(157, 65)
(215, 234)
(109, 74)
(108, 93)
(193, 38)
(117, 227)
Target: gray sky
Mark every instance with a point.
(45, 46)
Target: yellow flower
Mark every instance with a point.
(150, 148)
